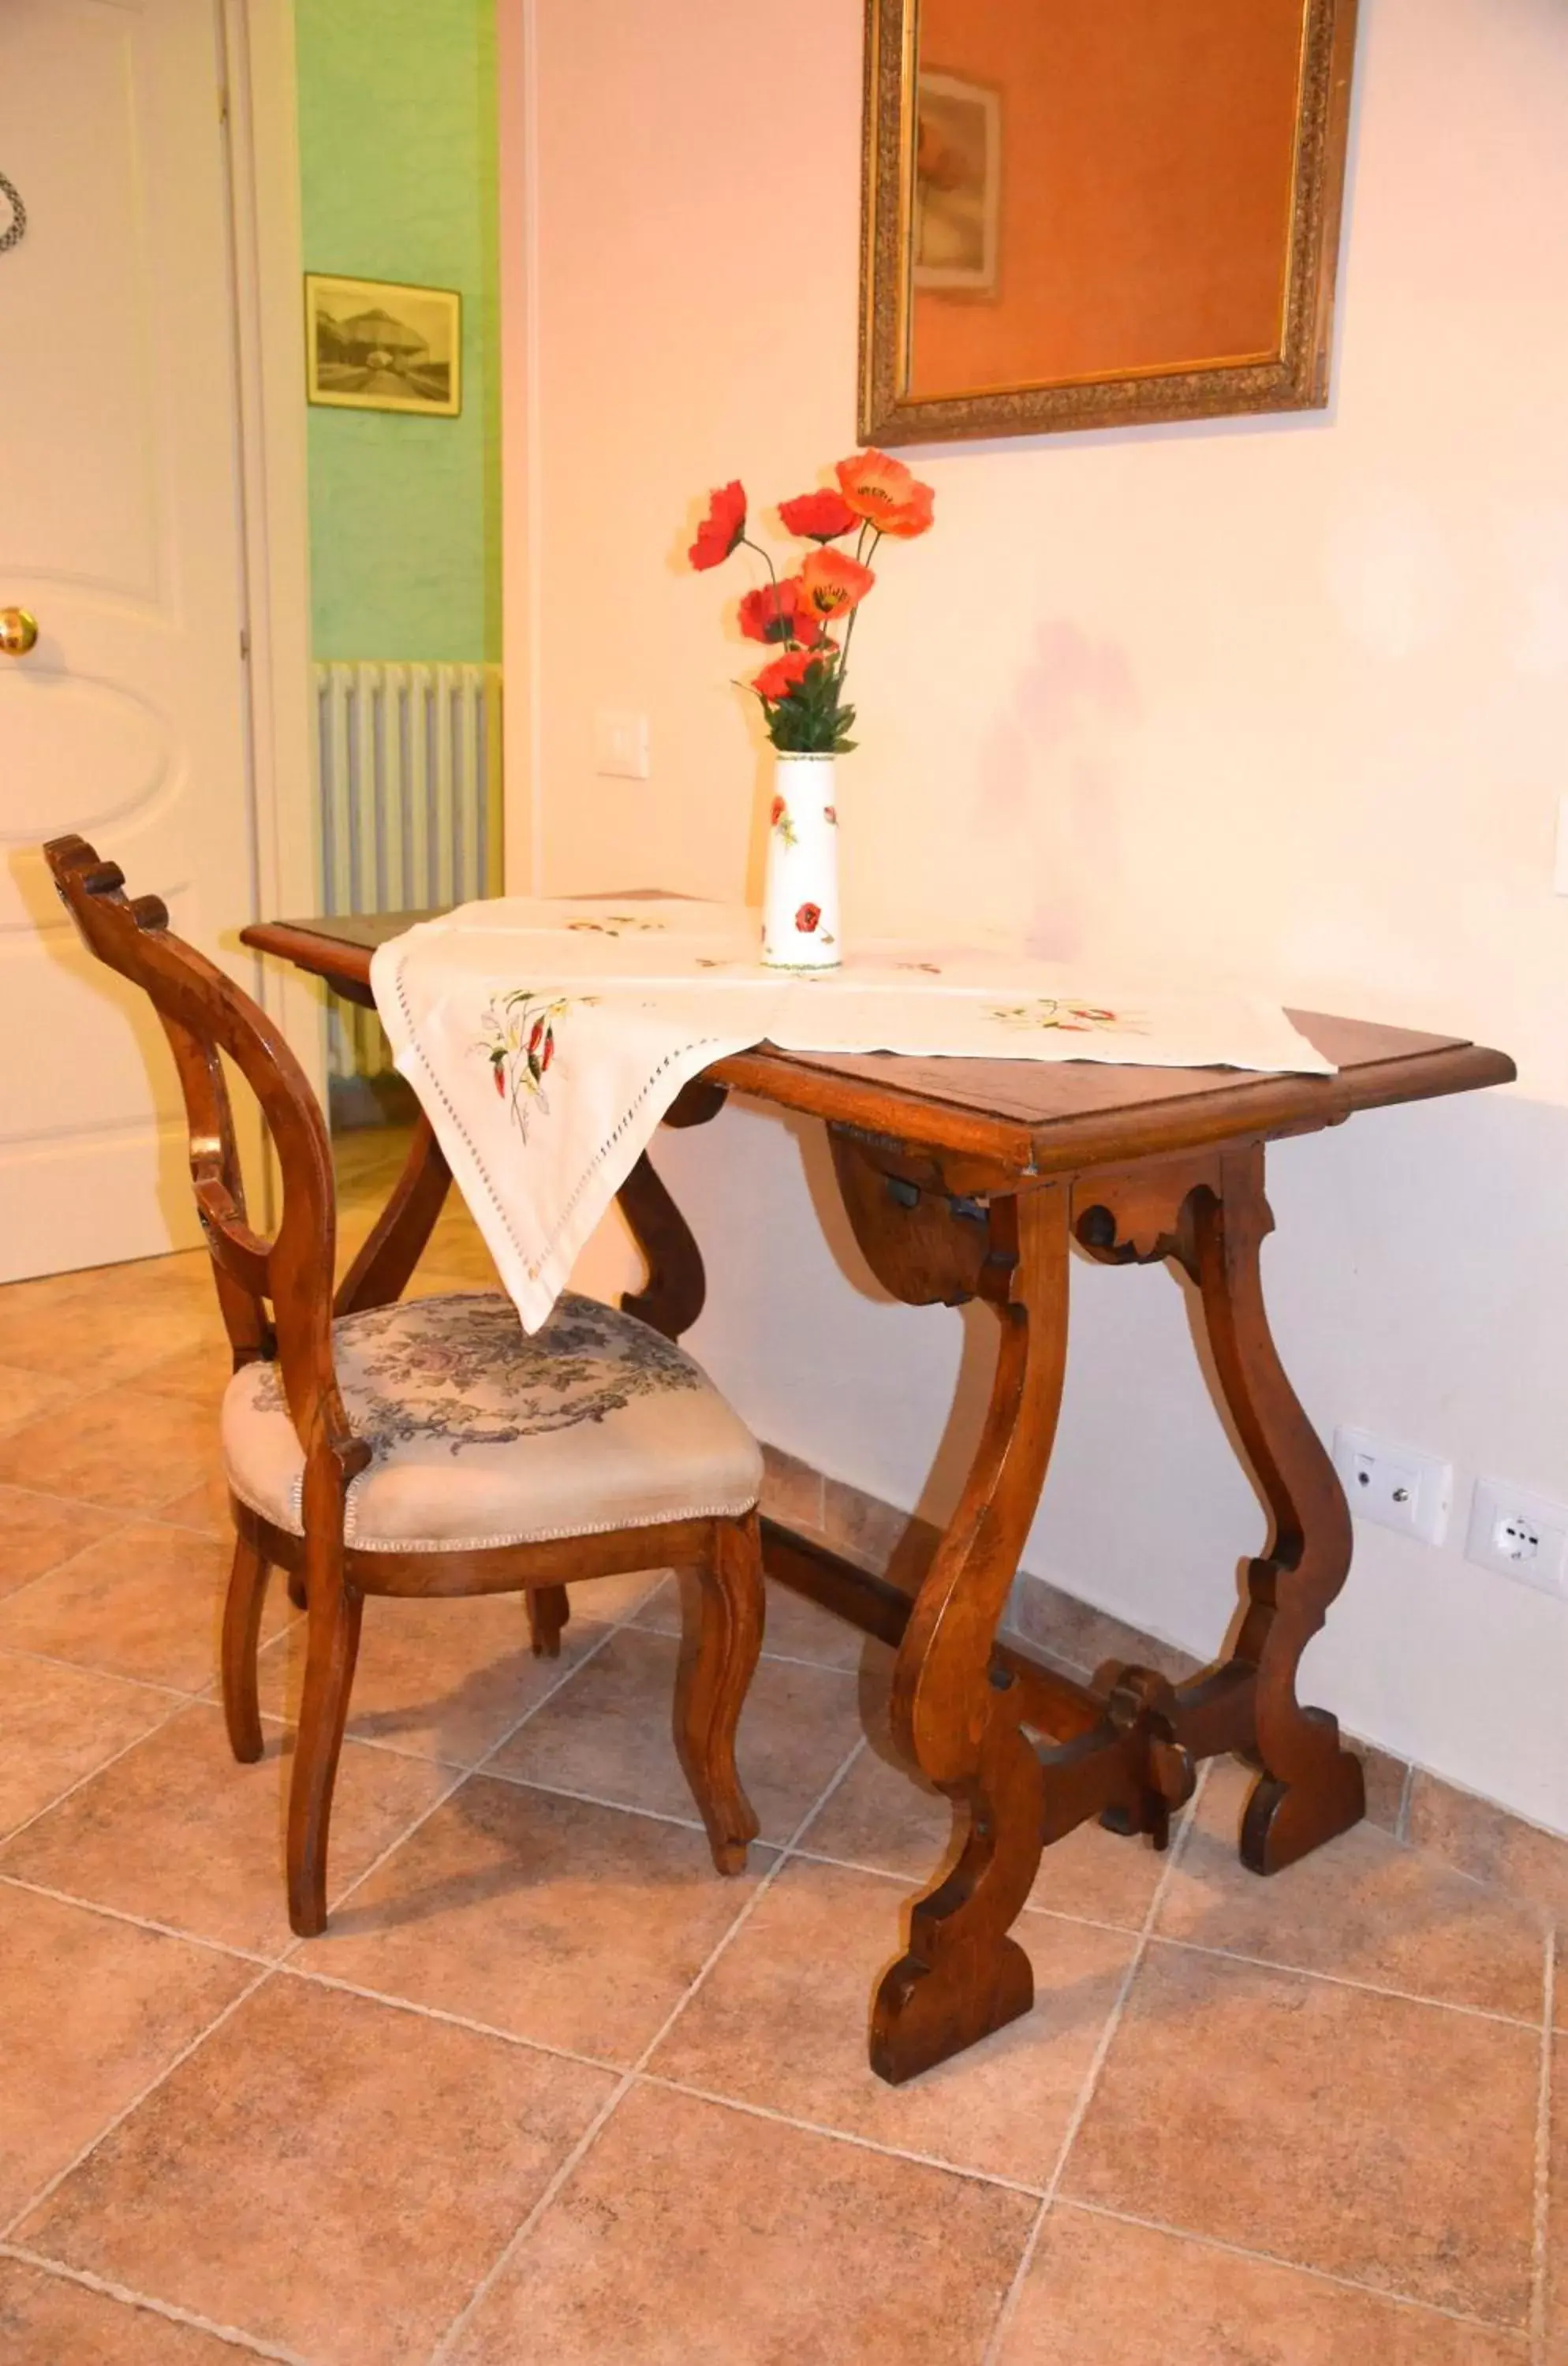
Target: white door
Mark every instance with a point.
(121, 533)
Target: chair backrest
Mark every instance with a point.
(276, 1294)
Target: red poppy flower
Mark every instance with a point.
(833, 582)
(817, 517)
(776, 611)
(830, 815)
(881, 489)
(722, 528)
(786, 673)
(806, 920)
(499, 1073)
(777, 814)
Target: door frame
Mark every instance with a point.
(261, 95)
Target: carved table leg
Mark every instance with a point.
(671, 1299)
(385, 1266)
(1310, 1789)
(956, 1713)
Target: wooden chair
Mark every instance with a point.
(427, 1448)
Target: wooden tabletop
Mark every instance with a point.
(1021, 1116)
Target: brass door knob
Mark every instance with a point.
(18, 631)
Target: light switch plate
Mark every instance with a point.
(621, 744)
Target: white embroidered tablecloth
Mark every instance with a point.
(546, 1041)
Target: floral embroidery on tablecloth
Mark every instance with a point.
(519, 1041)
(616, 924)
(1069, 1018)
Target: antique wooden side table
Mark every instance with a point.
(976, 1179)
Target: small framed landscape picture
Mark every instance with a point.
(373, 344)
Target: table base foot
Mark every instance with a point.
(924, 2013)
(1285, 1821)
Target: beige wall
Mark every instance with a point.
(1288, 698)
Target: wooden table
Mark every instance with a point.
(976, 1180)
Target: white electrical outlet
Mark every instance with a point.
(1396, 1485)
(621, 745)
(1519, 1535)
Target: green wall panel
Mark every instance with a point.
(397, 139)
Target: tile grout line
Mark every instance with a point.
(1197, 1946)
(137, 1922)
(1291, 2267)
(62, 2273)
(837, 2135)
(1091, 2080)
(176, 1709)
(465, 1775)
(584, 2145)
(86, 1668)
(50, 2185)
(266, 1968)
(1540, 2256)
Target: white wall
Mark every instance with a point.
(1286, 698)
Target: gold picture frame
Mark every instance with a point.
(1287, 371)
(382, 344)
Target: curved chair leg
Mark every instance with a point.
(241, 1630)
(548, 1610)
(722, 1618)
(331, 1648)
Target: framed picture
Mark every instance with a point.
(374, 344)
(1159, 240)
(958, 180)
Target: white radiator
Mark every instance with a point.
(408, 783)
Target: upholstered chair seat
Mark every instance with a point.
(481, 1436)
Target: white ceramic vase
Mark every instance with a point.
(800, 900)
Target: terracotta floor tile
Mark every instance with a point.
(1387, 2142)
(38, 1532)
(792, 1489)
(44, 2321)
(176, 1831)
(442, 1680)
(112, 1322)
(57, 1724)
(24, 1396)
(1557, 2216)
(126, 1448)
(797, 1629)
(781, 2021)
(691, 2236)
(92, 2010)
(881, 1817)
(1489, 1844)
(353, 2170)
(578, 1925)
(607, 1733)
(202, 1371)
(1100, 2293)
(1363, 1907)
(206, 1506)
(1386, 1780)
(147, 1602)
(606, 1601)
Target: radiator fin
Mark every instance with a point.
(408, 788)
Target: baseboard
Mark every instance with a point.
(1474, 1836)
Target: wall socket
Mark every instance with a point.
(1396, 1485)
(1519, 1535)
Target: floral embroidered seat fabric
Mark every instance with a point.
(546, 1040)
(480, 1435)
